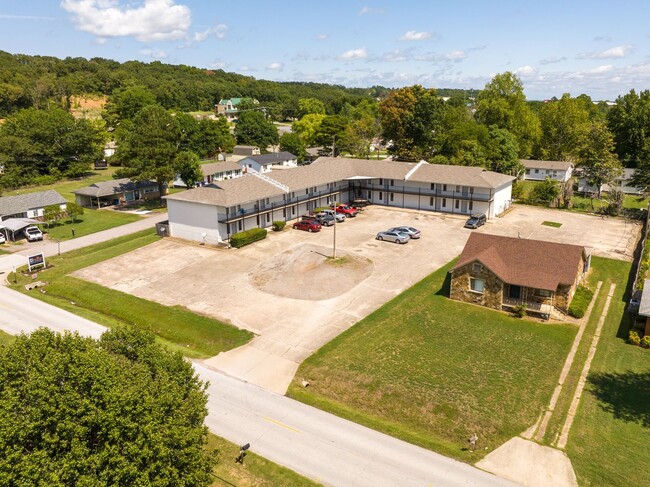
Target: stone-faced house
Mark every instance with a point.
(503, 272)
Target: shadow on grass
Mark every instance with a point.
(625, 395)
(445, 289)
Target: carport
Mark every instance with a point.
(13, 225)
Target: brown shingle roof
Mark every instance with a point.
(553, 165)
(216, 167)
(230, 192)
(524, 262)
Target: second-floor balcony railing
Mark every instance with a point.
(437, 192)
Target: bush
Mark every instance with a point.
(247, 237)
(517, 189)
(580, 302)
(645, 341)
(634, 338)
(278, 225)
(520, 310)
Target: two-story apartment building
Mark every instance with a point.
(212, 213)
(540, 170)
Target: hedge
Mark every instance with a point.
(279, 225)
(580, 302)
(247, 237)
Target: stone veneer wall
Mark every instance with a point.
(492, 295)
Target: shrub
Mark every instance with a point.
(247, 237)
(278, 225)
(580, 302)
(645, 341)
(520, 310)
(517, 190)
(634, 338)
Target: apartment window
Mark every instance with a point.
(543, 293)
(457, 189)
(239, 225)
(284, 212)
(431, 201)
(232, 209)
(457, 204)
(293, 194)
(476, 285)
(267, 201)
(268, 217)
(238, 207)
(527, 171)
(433, 186)
(381, 196)
(381, 181)
(444, 187)
(536, 171)
(257, 220)
(229, 228)
(392, 182)
(444, 202)
(369, 195)
(392, 197)
(471, 205)
(314, 189)
(476, 267)
(306, 191)
(293, 210)
(471, 190)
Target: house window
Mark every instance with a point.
(267, 201)
(293, 194)
(476, 285)
(457, 204)
(392, 182)
(471, 205)
(476, 267)
(527, 171)
(444, 202)
(381, 196)
(314, 189)
(543, 293)
(306, 191)
(381, 181)
(536, 171)
(433, 186)
(392, 197)
(431, 201)
(444, 187)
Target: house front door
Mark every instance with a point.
(514, 292)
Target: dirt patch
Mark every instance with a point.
(307, 272)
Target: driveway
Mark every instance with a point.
(292, 323)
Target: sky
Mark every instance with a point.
(597, 47)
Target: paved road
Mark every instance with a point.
(314, 443)
(7, 262)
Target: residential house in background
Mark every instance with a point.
(213, 213)
(215, 171)
(540, 170)
(30, 205)
(623, 182)
(228, 108)
(116, 192)
(503, 272)
(246, 150)
(267, 162)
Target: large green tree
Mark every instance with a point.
(502, 103)
(565, 124)
(597, 159)
(121, 410)
(148, 151)
(253, 128)
(310, 105)
(124, 104)
(331, 135)
(188, 168)
(291, 142)
(410, 119)
(307, 127)
(629, 122)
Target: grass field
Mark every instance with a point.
(432, 371)
(195, 335)
(611, 433)
(552, 224)
(256, 471)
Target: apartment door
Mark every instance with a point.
(463, 206)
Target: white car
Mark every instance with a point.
(33, 234)
(2, 238)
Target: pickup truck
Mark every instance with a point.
(348, 211)
(340, 217)
(32, 234)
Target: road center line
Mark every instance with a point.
(280, 424)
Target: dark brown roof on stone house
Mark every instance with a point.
(523, 262)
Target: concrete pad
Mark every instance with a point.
(530, 464)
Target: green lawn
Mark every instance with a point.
(256, 471)
(195, 335)
(5, 338)
(90, 222)
(552, 224)
(432, 371)
(611, 433)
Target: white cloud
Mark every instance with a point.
(352, 54)
(602, 69)
(413, 35)
(217, 64)
(552, 60)
(154, 20)
(456, 55)
(321, 37)
(23, 17)
(612, 52)
(395, 56)
(154, 53)
(275, 66)
(218, 31)
(369, 10)
(525, 71)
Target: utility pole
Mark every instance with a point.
(334, 245)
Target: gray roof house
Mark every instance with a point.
(29, 205)
(115, 192)
(266, 162)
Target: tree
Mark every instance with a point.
(307, 127)
(148, 151)
(629, 122)
(410, 118)
(331, 135)
(502, 152)
(564, 124)
(254, 129)
(74, 211)
(124, 104)
(188, 168)
(503, 103)
(52, 214)
(310, 105)
(546, 192)
(212, 138)
(291, 142)
(121, 410)
(596, 158)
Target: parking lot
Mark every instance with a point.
(286, 290)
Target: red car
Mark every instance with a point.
(308, 225)
(347, 210)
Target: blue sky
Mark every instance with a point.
(601, 48)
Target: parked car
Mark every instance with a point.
(2, 238)
(32, 234)
(410, 231)
(393, 236)
(340, 217)
(359, 203)
(308, 225)
(476, 220)
(324, 220)
(347, 210)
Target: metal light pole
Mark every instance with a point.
(334, 244)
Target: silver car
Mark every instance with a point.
(410, 231)
(393, 236)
